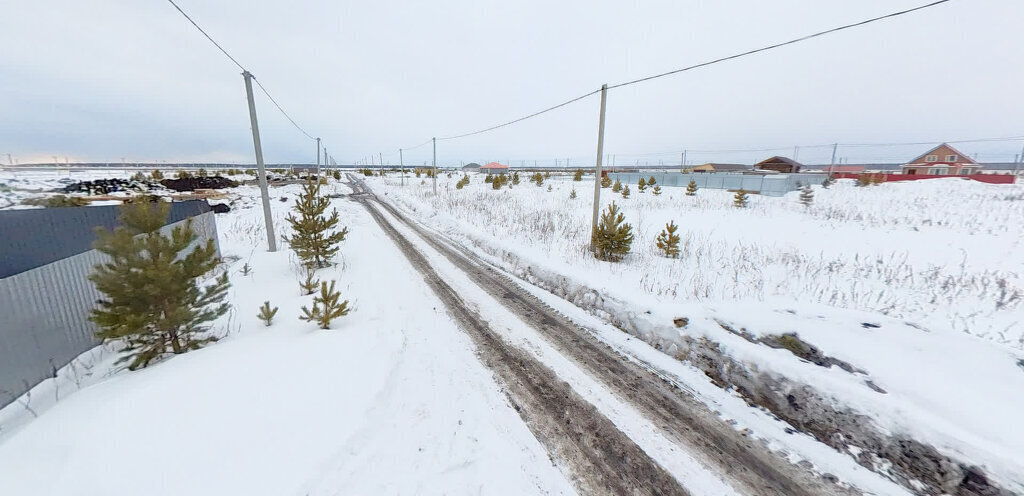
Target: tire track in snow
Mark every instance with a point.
(599, 458)
(684, 418)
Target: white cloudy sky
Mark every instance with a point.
(99, 80)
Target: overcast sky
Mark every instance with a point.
(99, 80)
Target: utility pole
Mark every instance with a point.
(435, 165)
(1019, 161)
(318, 158)
(401, 163)
(261, 173)
(380, 155)
(835, 146)
(796, 152)
(597, 173)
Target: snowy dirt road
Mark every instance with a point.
(601, 457)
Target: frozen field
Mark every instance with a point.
(922, 300)
(945, 254)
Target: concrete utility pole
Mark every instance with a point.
(401, 163)
(318, 158)
(597, 173)
(261, 172)
(835, 146)
(435, 165)
(380, 155)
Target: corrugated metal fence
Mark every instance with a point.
(45, 293)
(765, 184)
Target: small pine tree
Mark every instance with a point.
(416, 171)
(691, 189)
(863, 180)
(325, 307)
(549, 188)
(578, 176)
(668, 241)
(309, 285)
(625, 192)
(312, 239)
(246, 269)
(641, 184)
(613, 237)
(156, 175)
(572, 194)
(498, 182)
(462, 182)
(515, 177)
(617, 187)
(538, 178)
(651, 182)
(152, 301)
(489, 178)
(739, 200)
(337, 175)
(547, 174)
(806, 195)
(877, 179)
(656, 190)
(829, 181)
(606, 181)
(201, 173)
(266, 313)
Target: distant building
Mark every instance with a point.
(940, 161)
(844, 169)
(779, 164)
(471, 167)
(713, 167)
(494, 168)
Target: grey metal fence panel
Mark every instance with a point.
(45, 312)
(35, 237)
(764, 184)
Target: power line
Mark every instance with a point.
(225, 52)
(265, 92)
(535, 114)
(777, 45)
(228, 55)
(703, 64)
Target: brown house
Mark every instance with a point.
(940, 161)
(713, 167)
(779, 164)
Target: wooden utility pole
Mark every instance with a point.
(835, 146)
(401, 163)
(318, 158)
(435, 165)
(597, 173)
(261, 173)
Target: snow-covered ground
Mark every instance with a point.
(917, 285)
(391, 400)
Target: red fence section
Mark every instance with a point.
(985, 178)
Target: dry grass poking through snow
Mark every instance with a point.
(939, 252)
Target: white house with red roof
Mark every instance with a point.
(494, 168)
(941, 161)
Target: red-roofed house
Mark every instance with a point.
(494, 168)
(940, 161)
